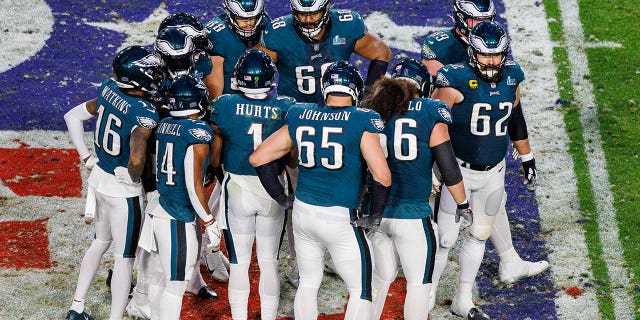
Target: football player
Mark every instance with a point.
(183, 142)
(449, 47)
(484, 95)
(176, 47)
(415, 135)
(177, 58)
(244, 121)
(115, 195)
(231, 33)
(331, 143)
(305, 42)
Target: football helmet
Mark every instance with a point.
(254, 72)
(343, 78)
(310, 29)
(415, 72)
(191, 26)
(187, 96)
(245, 9)
(136, 67)
(176, 50)
(488, 38)
(474, 9)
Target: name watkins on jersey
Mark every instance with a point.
(322, 116)
(115, 100)
(268, 112)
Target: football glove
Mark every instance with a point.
(530, 174)
(286, 200)
(464, 211)
(122, 175)
(369, 223)
(211, 228)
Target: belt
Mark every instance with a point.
(475, 167)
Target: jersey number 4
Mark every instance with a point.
(167, 166)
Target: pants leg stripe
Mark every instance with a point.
(284, 227)
(134, 222)
(431, 250)
(365, 262)
(228, 237)
(178, 250)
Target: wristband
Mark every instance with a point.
(527, 157)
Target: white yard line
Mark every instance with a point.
(557, 192)
(607, 222)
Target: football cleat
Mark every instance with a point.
(215, 262)
(207, 293)
(513, 271)
(138, 312)
(432, 299)
(292, 272)
(462, 306)
(477, 314)
(73, 315)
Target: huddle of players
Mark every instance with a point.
(327, 144)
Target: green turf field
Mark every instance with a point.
(614, 72)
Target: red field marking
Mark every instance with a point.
(196, 309)
(24, 244)
(41, 172)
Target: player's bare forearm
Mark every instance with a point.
(138, 147)
(522, 146)
(275, 147)
(271, 53)
(372, 48)
(457, 191)
(215, 151)
(216, 84)
(374, 156)
(92, 106)
(433, 66)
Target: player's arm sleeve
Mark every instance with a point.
(268, 174)
(74, 119)
(517, 125)
(195, 189)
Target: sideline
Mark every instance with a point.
(556, 193)
(607, 221)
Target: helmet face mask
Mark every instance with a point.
(466, 12)
(137, 68)
(255, 72)
(190, 25)
(176, 50)
(310, 16)
(488, 49)
(342, 78)
(415, 72)
(243, 13)
(187, 96)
